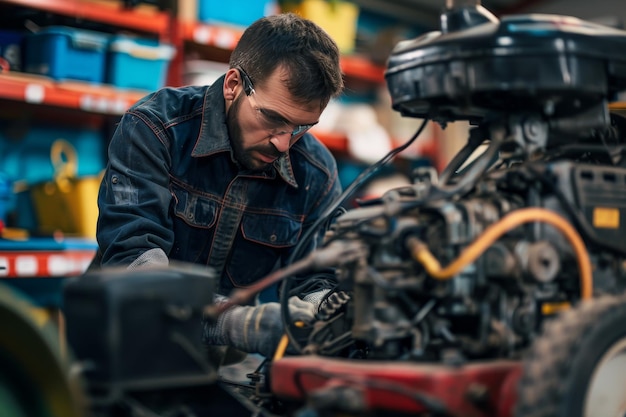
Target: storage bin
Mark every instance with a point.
(11, 49)
(25, 155)
(66, 53)
(138, 63)
(200, 72)
(338, 18)
(67, 203)
(6, 197)
(71, 208)
(243, 14)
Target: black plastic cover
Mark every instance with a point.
(139, 329)
(555, 65)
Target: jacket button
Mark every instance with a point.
(114, 179)
(273, 238)
(190, 216)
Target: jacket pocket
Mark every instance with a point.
(193, 208)
(271, 230)
(195, 216)
(264, 239)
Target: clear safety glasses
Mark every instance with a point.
(272, 121)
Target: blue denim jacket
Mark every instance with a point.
(172, 183)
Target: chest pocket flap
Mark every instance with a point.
(193, 208)
(274, 230)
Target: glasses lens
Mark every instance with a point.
(274, 125)
(300, 129)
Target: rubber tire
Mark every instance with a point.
(561, 361)
(33, 369)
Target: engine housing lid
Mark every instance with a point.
(551, 64)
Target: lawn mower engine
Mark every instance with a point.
(494, 288)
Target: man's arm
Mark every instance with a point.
(134, 195)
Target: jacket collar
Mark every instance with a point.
(213, 136)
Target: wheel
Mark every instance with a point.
(34, 375)
(577, 366)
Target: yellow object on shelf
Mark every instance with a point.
(337, 18)
(67, 204)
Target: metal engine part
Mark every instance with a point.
(464, 278)
(472, 264)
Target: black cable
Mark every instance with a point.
(363, 176)
(284, 294)
(461, 156)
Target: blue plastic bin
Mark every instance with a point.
(241, 13)
(66, 53)
(138, 63)
(6, 196)
(27, 158)
(11, 48)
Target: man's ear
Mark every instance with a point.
(231, 82)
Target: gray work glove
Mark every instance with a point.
(327, 305)
(257, 329)
(151, 258)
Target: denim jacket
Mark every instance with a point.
(171, 182)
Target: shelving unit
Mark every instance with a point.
(108, 100)
(97, 104)
(225, 37)
(113, 13)
(76, 102)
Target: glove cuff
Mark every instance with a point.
(151, 258)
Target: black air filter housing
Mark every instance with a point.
(554, 65)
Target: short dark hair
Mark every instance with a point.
(309, 54)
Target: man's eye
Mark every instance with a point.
(271, 121)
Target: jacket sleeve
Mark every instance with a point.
(134, 195)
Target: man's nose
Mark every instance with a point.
(281, 142)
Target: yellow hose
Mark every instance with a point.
(282, 347)
(284, 342)
(420, 251)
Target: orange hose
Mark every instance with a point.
(282, 347)
(420, 251)
(284, 342)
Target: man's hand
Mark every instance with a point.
(256, 329)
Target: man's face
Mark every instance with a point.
(264, 121)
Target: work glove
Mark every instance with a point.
(155, 257)
(326, 305)
(257, 329)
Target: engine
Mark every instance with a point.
(525, 221)
(510, 265)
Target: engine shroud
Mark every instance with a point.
(547, 64)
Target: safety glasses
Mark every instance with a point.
(273, 122)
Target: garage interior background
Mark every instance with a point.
(69, 69)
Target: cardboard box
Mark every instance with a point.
(337, 18)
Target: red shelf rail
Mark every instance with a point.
(44, 264)
(226, 38)
(35, 89)
(141, 18)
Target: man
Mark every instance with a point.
(227, 175)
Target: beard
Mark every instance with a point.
(244, 156)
